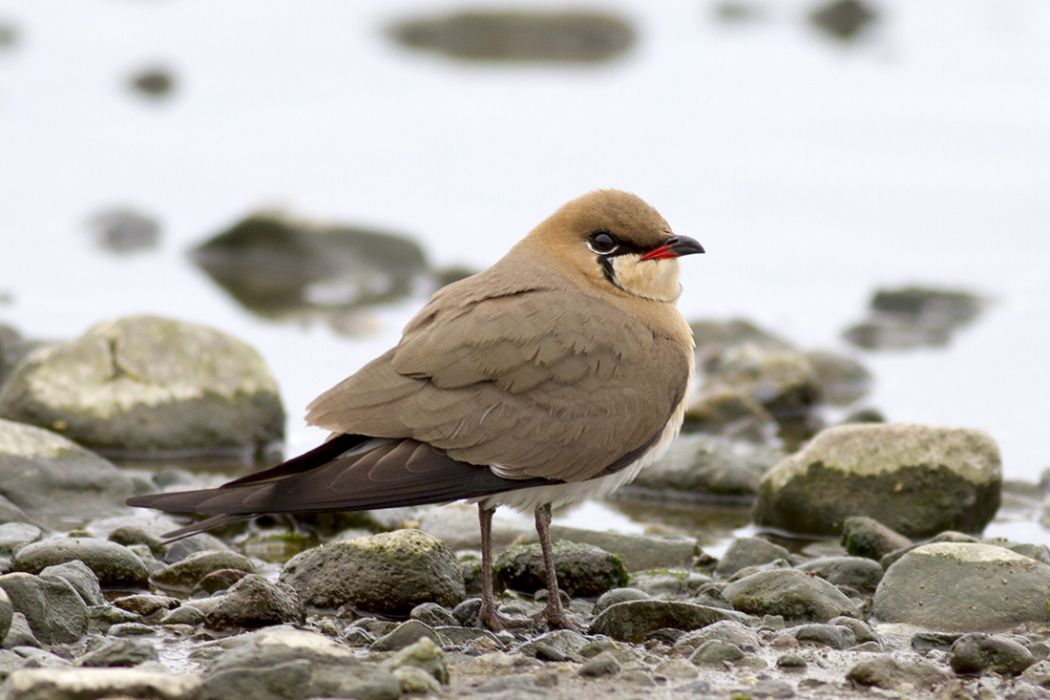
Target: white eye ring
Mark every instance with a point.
(602, 243)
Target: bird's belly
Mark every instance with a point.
(528, 499)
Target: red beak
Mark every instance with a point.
(674, 248)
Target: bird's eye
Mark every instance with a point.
(602, 243)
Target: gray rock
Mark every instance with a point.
(181, 549)
(991, 588)
(732, 413)
(510, 35)
(911, 316)
(183, 615)
(280, 663)
(53, 480)
(842, 379)
(890, 673)
(16, 534)
(114, 565)
(858, 573)
(1038, 674)
(80, 577)
(216, 581)
(866, 537)
(844, 20)
(186, 573)
(389, 573)
(70, 684)
(633, 621)
(861, 631)
(834, 636)
(7, 612)
(433, 614)
(130, 629)
(559, 645)
(278, 266)
(146, 604)
(618, 595)
(728, 631)
(125, 230)
(783, 381)
(583, 570)
(976, 653)
(405, 634)
(119, 652)
(918, 480)
(604, 664)
(149, 386)
(668, 582)
(925, 641)
(700, 466)
(637, 552)
(102, 617)
(424, 656)
(715, 652)
(54, 610)
(749, 551)
(255, 602)
(790, 593)
(128, 535)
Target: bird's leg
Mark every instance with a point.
(489, 614)
(554, 613)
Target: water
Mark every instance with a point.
(812, 171)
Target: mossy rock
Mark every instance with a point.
(143, 386)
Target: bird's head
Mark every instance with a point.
(618, 242)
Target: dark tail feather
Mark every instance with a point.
(202, 526)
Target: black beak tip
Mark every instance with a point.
(684, 245)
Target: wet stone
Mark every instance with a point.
(7, 612)
(114, 565)
(715, 652)
(389, 573)
(255, 602)
(146, 604)
(405, 634)
(862, 632)
(726, 630)
(618, 595)
(54, 610)
(858, 573)
(558, 645)
(217, 581)
(119, 652)
(664, 582)
(868, 538)
(433, 615)
(16, 535)
(992, 588)
(185, 574)
(83, 580)
(749, 551)
(583, 570)
(834, 636)
(633, 621)
(887, 672)
(790, 593)
(604, 664)
(976, 653)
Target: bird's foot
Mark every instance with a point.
(557, 618)
(497, 622)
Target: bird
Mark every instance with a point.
(555, 375)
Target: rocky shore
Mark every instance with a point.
(866, 568)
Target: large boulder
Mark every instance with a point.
(964, 587)
(388, 573)
(47, 478)
(150, 386)
(918, 480)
